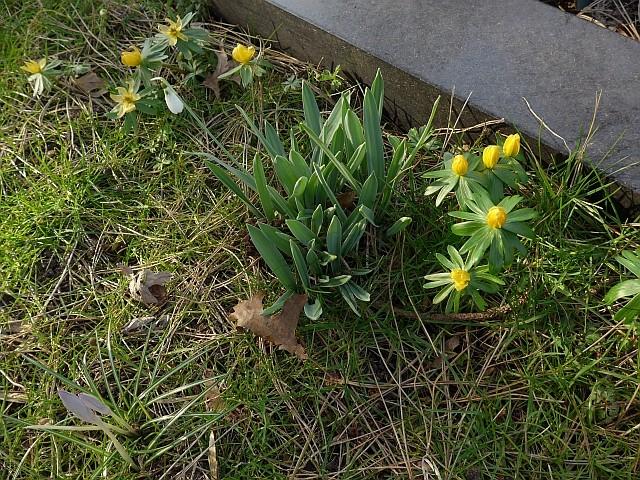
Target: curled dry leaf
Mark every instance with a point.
(347, 199)
(212, 80)
(278, 329)
(148, 287)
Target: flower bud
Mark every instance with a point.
(459, 166)
(173, 101)
(132, 58)
(243, 54)
(490, 156)
(511, 146)
(496, 217)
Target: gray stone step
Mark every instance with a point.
(496, 51)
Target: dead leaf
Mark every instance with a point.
(347, 199)
(451, 344)
(278, 329)
(212, 79)
(13, 397)
(91, 84)
(148, 287)
(138, 323)
(213, 457)
(14, 327)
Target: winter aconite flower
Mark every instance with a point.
(173, 31)
(40, 74)
(457, 174)
(33, 66)
(131, 58)
(511, 146)
(490, 156)
(493, 227)
(460, 278)
(496, 217)
(125, 99)
(459, 166)
(243, 54)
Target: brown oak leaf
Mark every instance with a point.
(278, 329)
(347, 199)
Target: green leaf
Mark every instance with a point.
(630, 311)
(311, 111)
(272, 257)
(359, 292)
(467, 228)
(263, 191)
(278, 304)
(341, 167)
(398, 226)
(354, 236)
(317, 219)
(330, 195)
(313, 262)
(300, 231)
(231, 185)
(280, 203)
(334, 237)
(377, 90)
(369, 191)
(353, 128)
(301, 264)
(278, 238)
(444, 293)
(332, 282)
(626, 288)
(285, 173)
(313, 311)
(348, 296)
(356, 159)
(373, 136)
(299, 164)
(519, 228)
(299, 187)
(273, 144)
(630, 261)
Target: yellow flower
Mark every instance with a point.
(243, 54)
(496, 217)
(459, 166)
(511, 145)
(33, 67)
(173, 31)
(460, 278)
(490, 156)
(132, 58)
(125, 100)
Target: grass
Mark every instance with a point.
(547, 391)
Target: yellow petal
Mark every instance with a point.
(459, 166)
(511, 146)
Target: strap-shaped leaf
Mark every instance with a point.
(313, 311)
(329, 194)
(353, 237)
(299, 164)
(311, 111)
(244, 177)
(398, 226)
(273, 144)
(231, 185)
(272, 257)
(334, 237)
(373, 136)
(356, 159)
(377, 89)
(263, 191)
(353, 128)
(317, 219)
(280, 203)
(341, 167)
(285, 173)
(369, 192)
(278, 238)
(313, 262)
(349, 298)
(301, 264)
(300, 231)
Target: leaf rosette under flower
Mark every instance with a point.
(462, 279)
(493, 227)
(458, 173)
(177, 33)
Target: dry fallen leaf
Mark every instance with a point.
(212, 79)
(213, 457)
(278, 329)
(148, 287)
(91, 84)
(138, 323)
(347, 199)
